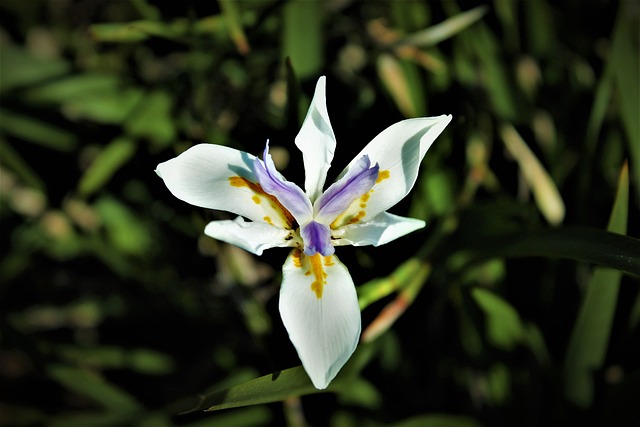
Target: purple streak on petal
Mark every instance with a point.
(317, 239)
(357, 181)
(288, 194)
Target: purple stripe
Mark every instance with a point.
(317, 239)
(288, 194)
(358, 180)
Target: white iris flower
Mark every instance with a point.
(318, 301)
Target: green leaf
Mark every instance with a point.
(234, 25)
(19, 68)
(269, 388)
(546, 193)
(152, 119)
(73, 87)
(409, 272)
(445, 29)
(626, 70)
(303, 36)
(576, 243)
(36, 131)
(400, 79)
(504, 327)
(89, 384)
(11, 159)
(115, 155)
(438, 420)
(283, 384)
(590, 337)
(126, 232)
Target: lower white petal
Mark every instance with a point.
(383, 229)
(254, 237)
(319, 308)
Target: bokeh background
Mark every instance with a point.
(115, 309)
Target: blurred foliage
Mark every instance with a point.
(116, 310)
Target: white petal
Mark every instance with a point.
(217, 177)
(383, 229)
(254, 237)
(319, 308)
(317, 142)
(398, 150)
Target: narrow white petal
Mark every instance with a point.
(317, 142)
(398, 150)
(217, 177)
(319, 308)
(254, 237)
(383, 229)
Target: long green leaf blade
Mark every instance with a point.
(576, 243)
(269, 388)
(590, 337)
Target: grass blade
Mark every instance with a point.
(590, 337)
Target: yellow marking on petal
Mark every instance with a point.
(268, 220)
(296, 257)
(242, 182)
(366, 196)
(382, 175)
(328, 261)
(318, 272)
(357, 217)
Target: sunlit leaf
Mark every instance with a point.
(269, 388)
(399, 81)
(114, 156)
(234, 24)
(590, 337)
(401, 277)
(281, 385)
(544, 189)
(445, 29)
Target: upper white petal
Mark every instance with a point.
(254, 237)
(217, 177)
(317, 142)
(323, 328)
(398, 150)
(383, 229)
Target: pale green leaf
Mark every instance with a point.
(445, 29)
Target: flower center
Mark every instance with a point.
(317, 239)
